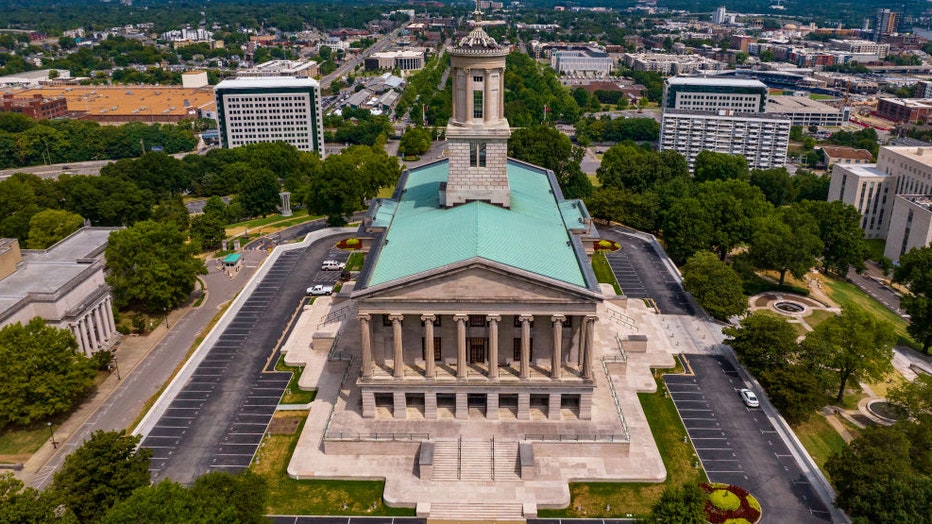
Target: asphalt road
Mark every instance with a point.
(642, 274)
(880, 292)
(739, 445)
(218, 418)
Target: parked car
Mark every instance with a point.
(749, 398)
(320, 290)
(333, 265)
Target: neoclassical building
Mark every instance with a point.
(477, 291)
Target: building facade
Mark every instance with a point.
(714, 94)
(588, 62)
(64, 285)
(761, 139)
(37, 108)
(402, 60)
(904, 109)
(892, 196)
(274, 109)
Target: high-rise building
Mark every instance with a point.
(273, 109)
(886, 22)
(725, 115)
(719, 16)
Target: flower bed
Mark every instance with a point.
(607, 245)
(728, 504)
(349, 243)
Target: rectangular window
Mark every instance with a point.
(436, 348)
(517, 351)
(476, 321)
(477, 155)
(477, 104)
(386, 321)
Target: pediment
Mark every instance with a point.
(480, 282)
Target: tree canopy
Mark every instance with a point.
(715, 285)
(915, 271)
(679, 505)
(51, 225)
(841, 235)
(786, 240)
(44, 374)
(710, 165)
(105, 470)
(546, 147)
(151, 266)
(347, 180)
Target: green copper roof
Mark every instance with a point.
(531, 235)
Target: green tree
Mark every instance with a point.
(151, 267)
(415, 141)
(852, 345)
(629, 166)
(22, 505)
(546, 147)
(208, 231)
(679, 505)
(347, 180)
(710, 165)
(809, 186)
(786, 240)
(915, 271)
(797, 391)
(51, 225)
(841, 235)
(715, 285)
(640, 211)
(244, 492)
(44, 372)
(258, 193)
(914, 397)
(105, 470)
(173, 210)
(777, 185)
(762, 342)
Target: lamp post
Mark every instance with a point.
(165, 309)
(52, 434)
(116, 367)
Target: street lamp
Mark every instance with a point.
(116, 367)
(52, 434)
(165, 309)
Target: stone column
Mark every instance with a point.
(487, 96)
(286, 203)
(79, 334)
(430, 368)
(469, 96)
(493, 321)
(108, 311)
(556, 363)
(397, 345)
(96, 332)
(587, 356)
(91, 346)
(104, 323)
(366, 336)
(525, 345)
(461, 345)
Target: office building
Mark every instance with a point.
(588, 62)
(274, 109)
(407, 60)
(36, 107)
(893, 196)
(714, 94)
(761, 139)
(886, 22)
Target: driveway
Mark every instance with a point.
(739, 445)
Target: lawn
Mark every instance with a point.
(845, 294)
(294, 394)
(820, 439)
(876, 247)
(17, 445)
(638, 498)
(355, 260)
(288, 496)
(603, 271)
(818, 316)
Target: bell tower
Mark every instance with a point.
(478, 132)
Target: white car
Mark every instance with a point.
(320, 290)
(332, 265)
(749, 398)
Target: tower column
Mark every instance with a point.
(493, 321)
(487, 96)
(366, 344)
(397, 346)
(556, 363)
(525, 345)
(461, 363)
(430, 368)
(469, 96)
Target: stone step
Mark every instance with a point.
(476, 461)
(498, 511)
(507, 466)
(446, 460)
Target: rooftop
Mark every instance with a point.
(128, 100)
(924, 201)
(532, 235)
(269, 82)
(716, 82)
(797, 104)
(847, 152)
(922, 155)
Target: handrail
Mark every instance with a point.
(493, 457)
(378, 437)
(543, 437)
(337, 314)
(624, 319)
(611, 388)
(459, 459)
(622, 356)
(333, 409)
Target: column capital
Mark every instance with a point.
(558, 318)
(493, 318)
(461, 317)
(363, 317)
(526, 317)
(396, 317)
(428, 317)
(592, 318)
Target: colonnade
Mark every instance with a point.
(492, 321)
(95, 328)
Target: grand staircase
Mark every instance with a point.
(472, 460)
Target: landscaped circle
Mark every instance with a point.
(886, 410)
(789, 307)
(730, 504)
(349, 243)
(607, 245)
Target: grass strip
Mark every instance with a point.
(603, 271)
(820, 440)
(847, 295)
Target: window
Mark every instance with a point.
(477, 155)
(476, 321)
(477, 104)
(386, 321)
(517, 351)
(436, 348)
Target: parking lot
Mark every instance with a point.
(738, 445)
(217, 420)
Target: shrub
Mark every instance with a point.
(721, 507)
(724, 499)
(607, 245)
(102, 360)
